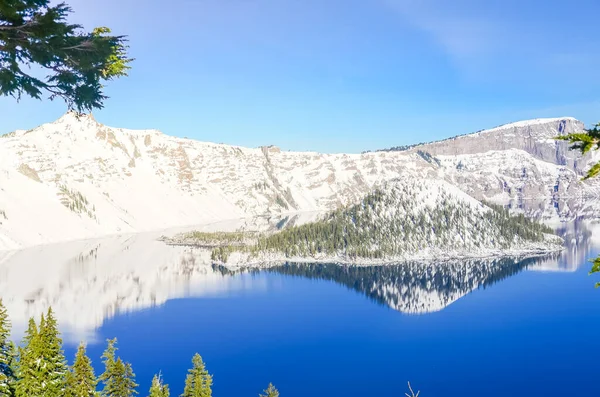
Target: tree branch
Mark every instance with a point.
(20, 27)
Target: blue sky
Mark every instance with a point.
(340, 75)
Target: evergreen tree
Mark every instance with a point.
(118, 377)
(198, 381)
(81, 381)
(52, 363)
(270, 391)
(36, 33)
(13, 368)
(29, 381)
(585, 142)
(158, 388)
(7, 354)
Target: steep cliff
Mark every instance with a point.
(532, 136)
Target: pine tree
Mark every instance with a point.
(81, 381)
(158, 388)
(198, 381)
(29, 381)
(52, 365)
(13, 368)
(118, 377)
(7, 354)
(36, 33)
(270, 391)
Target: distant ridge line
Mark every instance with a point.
(514, 124)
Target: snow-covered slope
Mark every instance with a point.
(403, 220)
(76, 178)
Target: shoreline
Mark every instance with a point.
(239, 260)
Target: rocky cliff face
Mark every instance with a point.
(76, 178)
(532, 136)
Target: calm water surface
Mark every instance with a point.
(472, 328)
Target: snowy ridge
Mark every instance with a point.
(78, 179)
(536, 137)
(525, 123)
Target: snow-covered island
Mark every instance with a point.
(402, 221)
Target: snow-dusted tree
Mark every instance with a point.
(52, 363)
(270, 391)
(29, 381)
(158, 388)
(7, 355)
(118, 377)
(198, 382)
(81, 381)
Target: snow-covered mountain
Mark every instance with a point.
(76, 178)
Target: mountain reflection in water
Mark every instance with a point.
(412, 287)
(87, 282)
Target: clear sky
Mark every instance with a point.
(340, 75)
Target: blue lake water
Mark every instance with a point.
(532, 334)
(527, 328)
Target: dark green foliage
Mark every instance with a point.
(42, 367)
(36, 32)
(118, 377)
(29, 378)
(53, 365)
(429, 158)
(401, 148)
(7, 355)
(596, 268)
(281, 202)
(395, 222)
(40, 370)
(584, 142)
(198, 382)
(158, 388)
(519, 224)
(81, 381)
(211, 239)
(270, 391)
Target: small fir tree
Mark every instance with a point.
(29, 381)
(270, 391)
(53, 366)
(7, 355)
(118, 377)
(198, 382)
(158, 388)
(81, 381)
